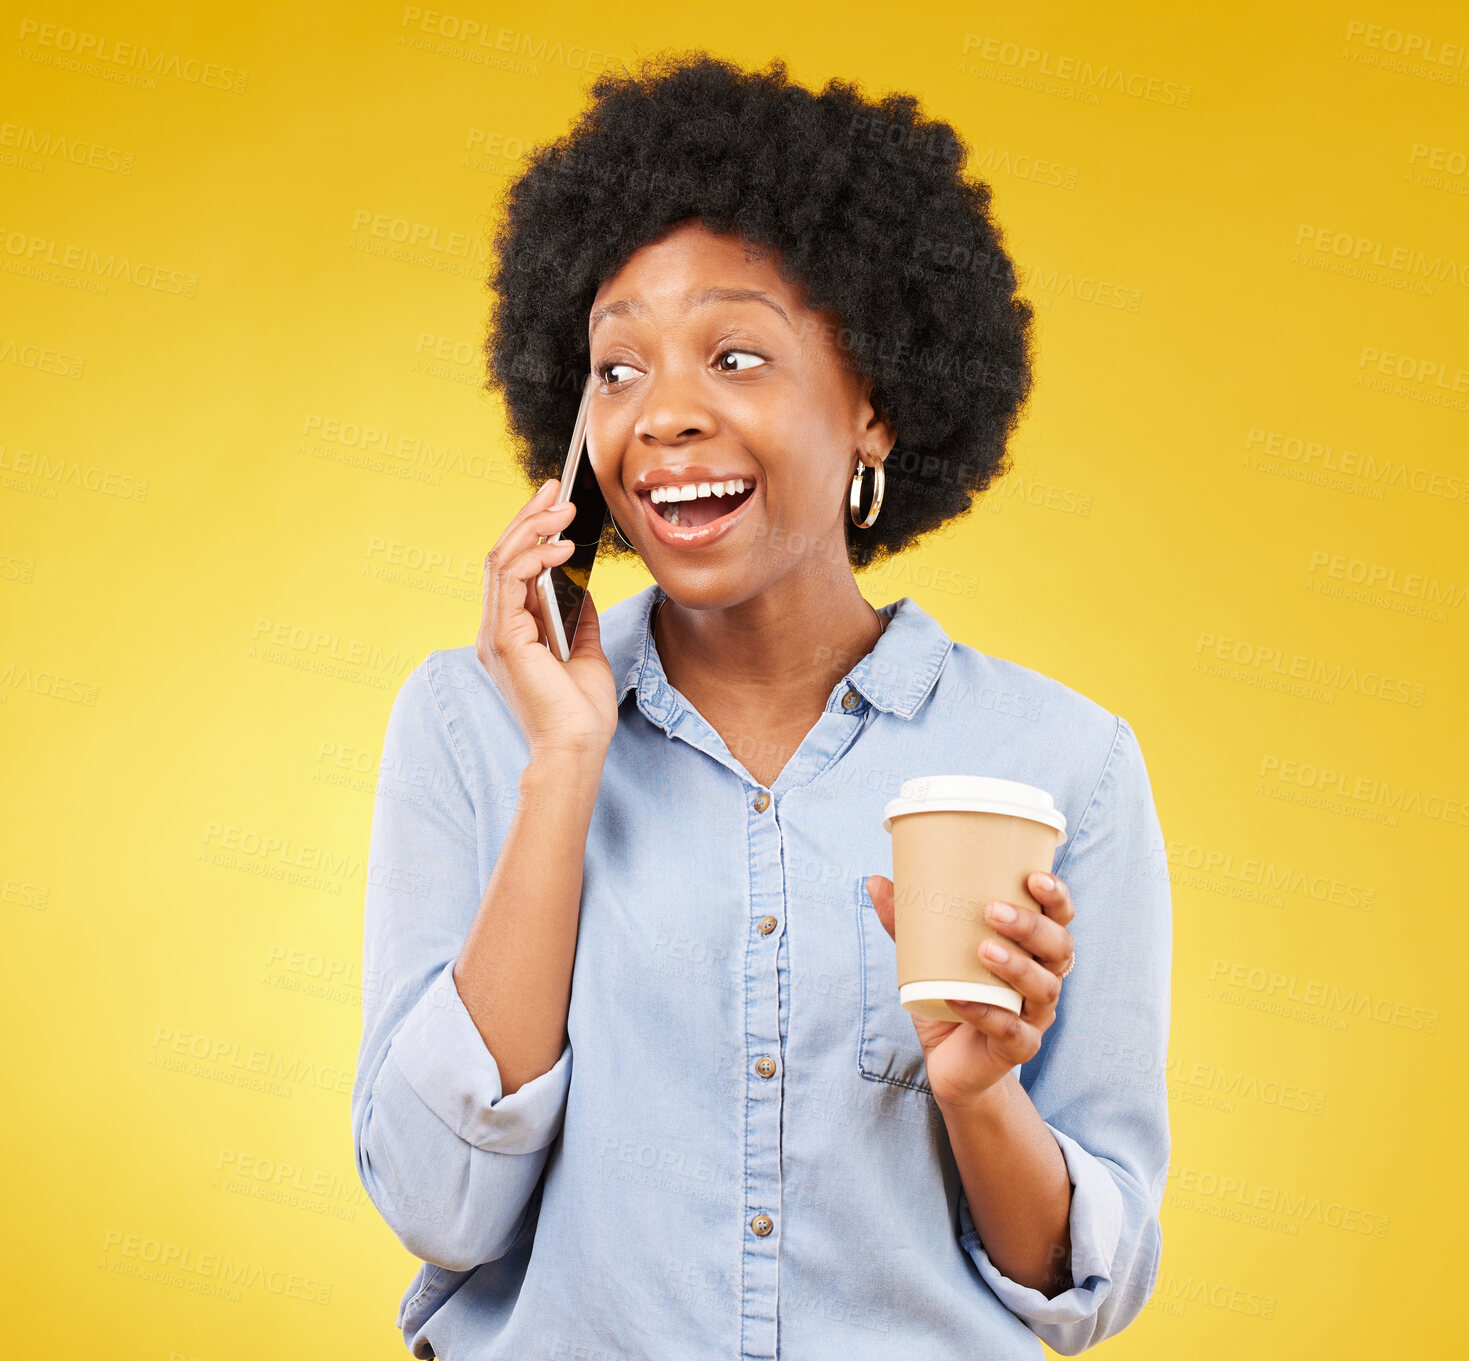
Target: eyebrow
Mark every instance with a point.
(628, 307)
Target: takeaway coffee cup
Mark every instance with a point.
(960, 842)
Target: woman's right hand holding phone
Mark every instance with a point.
(563, 708)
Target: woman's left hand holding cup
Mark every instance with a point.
(965, 1059)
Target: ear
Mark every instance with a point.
(876, 433)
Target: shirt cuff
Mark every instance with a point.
(1096, 1228)
(443, 1057)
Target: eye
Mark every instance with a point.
(748, 354)
(604, 371)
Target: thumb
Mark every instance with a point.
(588, 640)
(880, 890)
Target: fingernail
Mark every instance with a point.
(1045, 881)
(1001, 912)
(995, 951)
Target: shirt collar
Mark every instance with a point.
(896, 676)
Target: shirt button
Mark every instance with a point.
(767, 925)
(762, 1224)
(851, 700)
(765, 1067)
(762, 801)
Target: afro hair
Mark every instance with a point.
(868, 211)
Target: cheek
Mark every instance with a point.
(818, 421)
(801, 496)
(801, 445)
(805, 514)
(607, 437)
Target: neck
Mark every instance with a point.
(785, 647)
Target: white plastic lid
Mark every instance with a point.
(975, 794)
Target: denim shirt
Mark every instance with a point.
(737, 1153)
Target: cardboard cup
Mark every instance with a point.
(960, 842)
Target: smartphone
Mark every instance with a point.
(561, 589)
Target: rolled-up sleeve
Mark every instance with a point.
(450, 1162)
(1098, 1080)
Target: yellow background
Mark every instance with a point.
(208, 606)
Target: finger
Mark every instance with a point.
(495, 569)
(511, 624)
(511, 540)
(528, 526)
(1036, 983)
(536, 609)
(588, 639)
(1039, 936)
(540, 523)
(1013, 1035)
(1053, 895)
(538, 518)
(544, 496)
(527, 531)
(880, 890)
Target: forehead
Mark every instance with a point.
(690, 256)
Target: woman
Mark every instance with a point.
(634, 1079)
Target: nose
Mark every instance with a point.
(674, 410)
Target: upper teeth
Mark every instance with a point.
(690, 490)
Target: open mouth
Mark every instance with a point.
(698, 504)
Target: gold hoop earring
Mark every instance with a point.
(854, 501)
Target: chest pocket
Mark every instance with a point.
(887, 1047)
